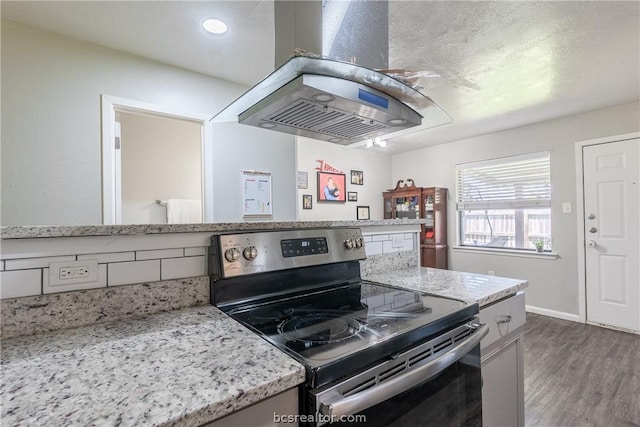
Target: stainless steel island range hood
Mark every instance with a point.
(333, 101)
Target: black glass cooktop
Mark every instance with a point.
(329, 326)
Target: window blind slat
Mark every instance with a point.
(505, 183)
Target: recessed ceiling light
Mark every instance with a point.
(214, 26)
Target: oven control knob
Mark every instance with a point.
(359, 242)
(232, 254)
(250, 252)
(349, 243)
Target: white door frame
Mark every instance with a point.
(582, 277)
(111, 104)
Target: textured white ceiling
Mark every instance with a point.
(500, 64)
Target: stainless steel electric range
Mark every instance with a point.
(372, 352)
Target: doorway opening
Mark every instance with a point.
(152, 155)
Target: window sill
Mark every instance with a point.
(506, 252)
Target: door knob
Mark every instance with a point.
(592, 244)
(591, 216)
(593, 230)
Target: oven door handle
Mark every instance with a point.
(339, 405)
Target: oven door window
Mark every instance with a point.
(451, 398)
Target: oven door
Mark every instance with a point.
(437, 383)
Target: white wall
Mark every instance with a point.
(553, 284)
(51, 158)
(241, 147)
(377, 178)
(161, 159)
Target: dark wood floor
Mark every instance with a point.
(580, 375)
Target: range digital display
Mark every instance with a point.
(301, 247)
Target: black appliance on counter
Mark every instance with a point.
(394, 356)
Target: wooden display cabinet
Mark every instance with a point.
(430, 203)
(433, 244)
(404, 201)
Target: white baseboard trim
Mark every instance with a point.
(615, 328)
(553, 313)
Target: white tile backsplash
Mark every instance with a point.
(373, 248)
(27, 263)
(176, 268)
(390, 243)
(408, 245)
(54, 246)
(110, 257)
(195, 251)
(379, 237)
(387, 247)
(134, 259)
(124, 273)
(47, 288)
(20, 283)
(160, 253)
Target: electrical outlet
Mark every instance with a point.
(566, 207)
(397, 240)
(69, 272)
(491, 273)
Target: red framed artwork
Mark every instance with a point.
(331, 187)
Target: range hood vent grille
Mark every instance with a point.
(330, 109)
(353, 127)
(315, 117)
(306, 115)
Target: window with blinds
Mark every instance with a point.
(505, 202)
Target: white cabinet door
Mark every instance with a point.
(501, 393)
(503, 363)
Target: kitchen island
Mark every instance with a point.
(185, 367)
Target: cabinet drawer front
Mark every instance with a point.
(503, 318)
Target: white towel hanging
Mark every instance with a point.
(184, 211)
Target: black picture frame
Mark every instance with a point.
(332, 187)
(362, 213)
(357, 177)
(352, 196)
(307, 201)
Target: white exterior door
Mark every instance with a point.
(612, 233)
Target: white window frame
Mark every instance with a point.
(542, 199)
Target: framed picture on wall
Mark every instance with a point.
(357, 177)
(331, 187)
(307, 201)
(352, 196)
(362, 212)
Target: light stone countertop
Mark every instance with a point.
(185, 367)
(182, 368)
(40, 231)
(468, 287)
